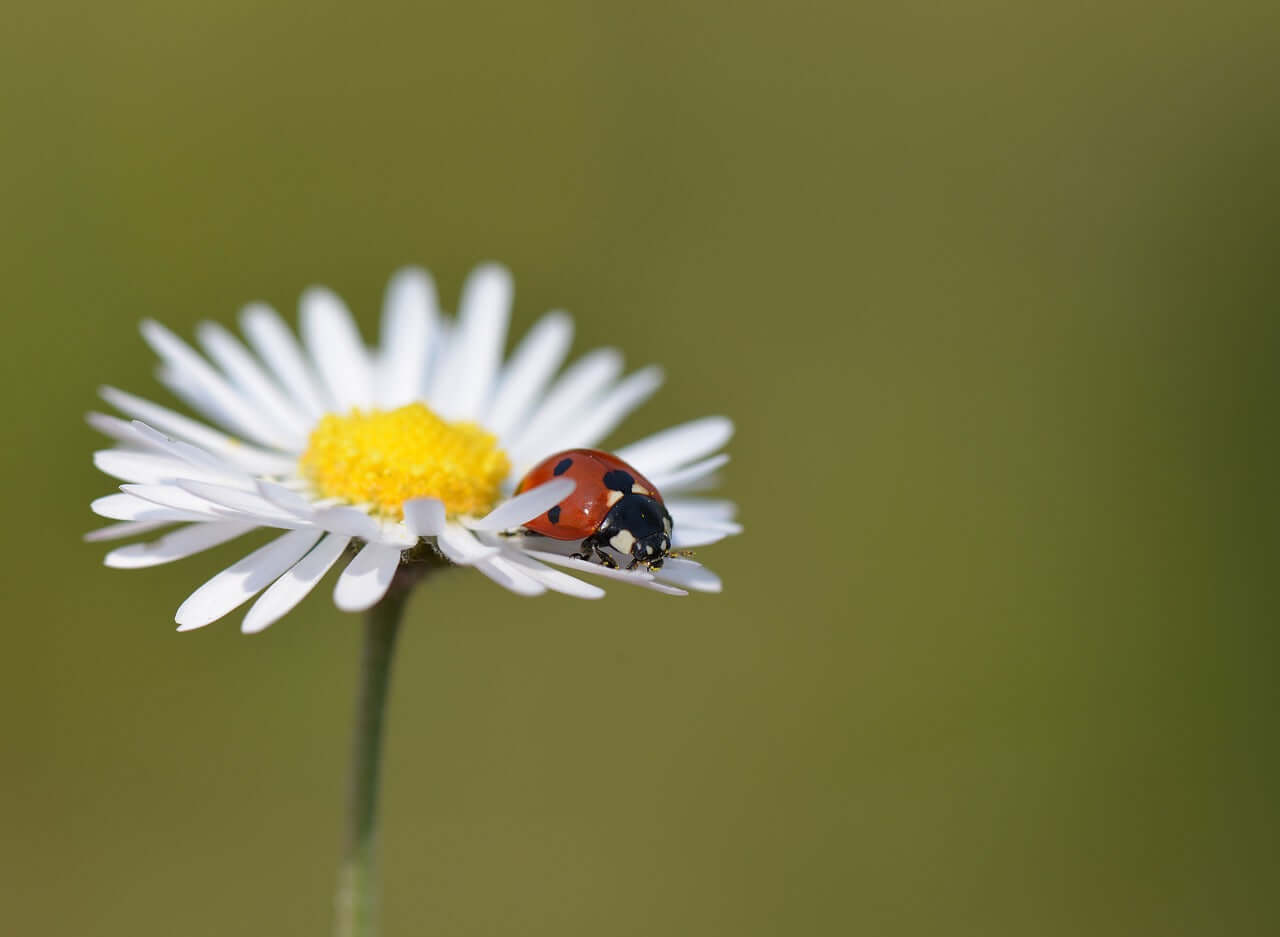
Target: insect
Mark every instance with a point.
(614, 507)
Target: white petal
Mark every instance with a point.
(599, 419)
(683, 537)
(461, 547)
(233, 450)
(635, 577)
(662, 587)
(190, 392)
(178, 449)
(510, 576)
(425, 517)
(706, 483)
(295, 585)
(241, 502)
(120, 430)
(696, 510)
(178, 545)
(285, 499)
(153, 468)
(689, 574)
(123, 529)
(127, 507)
(175, 498)
(395, 534)
(409, 316)
(237, 584)
(553, 578)
(724, 527)
(678, 446)
(213, 502)
(347, 520)
(366, 579)
(576, 388)
(210, 390)
(250, 379)
(276, 345)
(462, 386)
(437, 354)
(524, 507)
(531, 366)
(151, 456)
(675, 479)
(335, 346)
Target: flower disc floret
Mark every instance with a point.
(387, 457)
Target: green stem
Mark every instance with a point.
(357, 900)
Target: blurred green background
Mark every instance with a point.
(990, 290)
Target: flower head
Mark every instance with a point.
(383, 453)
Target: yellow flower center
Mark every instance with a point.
(386, 457)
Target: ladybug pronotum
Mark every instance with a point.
(613, 507)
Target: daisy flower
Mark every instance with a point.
(384, 455)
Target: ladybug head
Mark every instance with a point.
(640, 527)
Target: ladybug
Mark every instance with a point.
(613, 506)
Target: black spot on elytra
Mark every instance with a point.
(618, 480)
(554, 514)
(562, 466)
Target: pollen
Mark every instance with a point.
(384, 458)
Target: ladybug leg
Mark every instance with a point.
(591, 550)
(584, 552)
(604, 558)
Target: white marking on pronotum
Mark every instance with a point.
(640, 490)
(613, 498)
(623, 541)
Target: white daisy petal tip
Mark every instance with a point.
(125, 506)
(154, 331)
(256, 309)
(410, 276)
(367, 577)
(236, 584)
(492, 274)
(330, 335)
(665, 589)
(107, 425)
(686, 573)
(177, 545)
(295, 585)
(688, 536)
(679, 446)
(122, 530)
(689, 476)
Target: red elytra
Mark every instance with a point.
(580, 514)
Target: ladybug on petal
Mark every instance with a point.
(613, 507)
